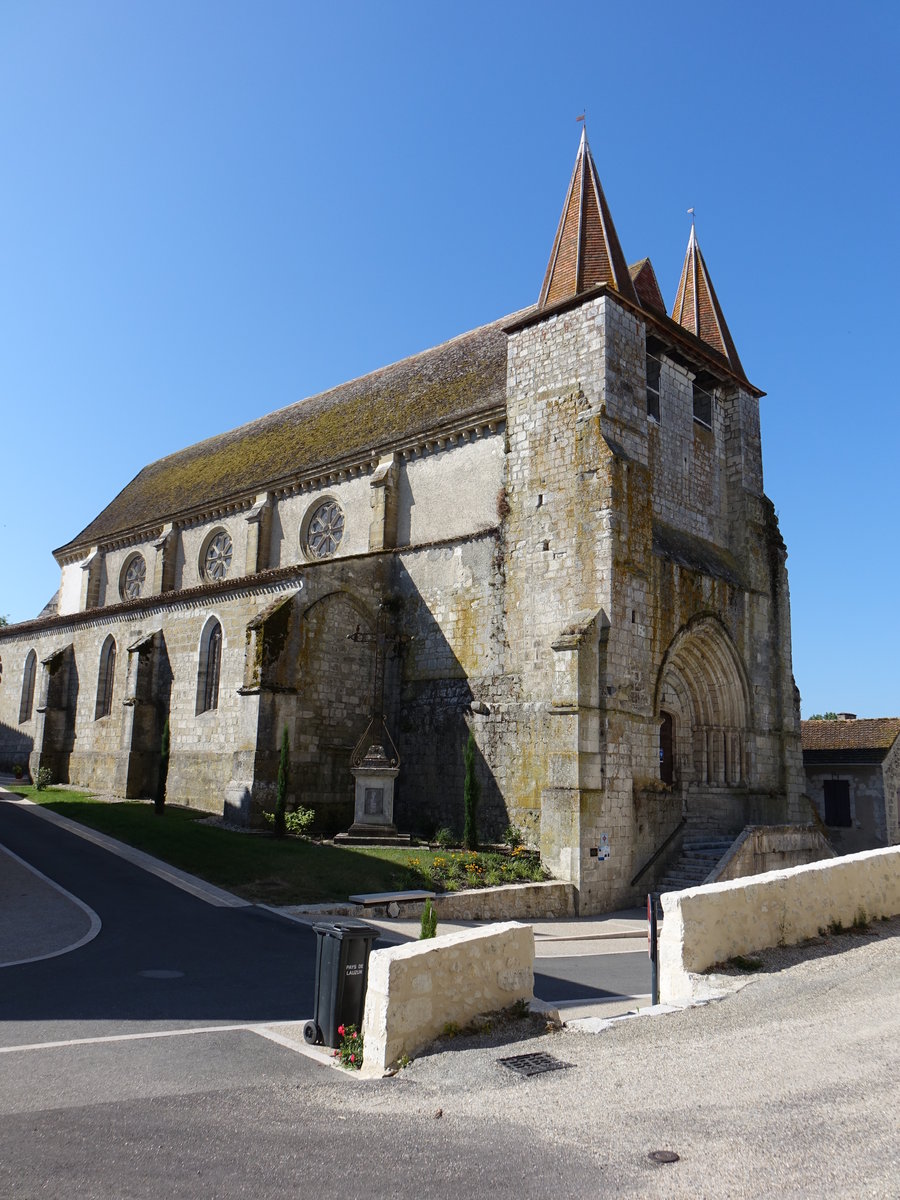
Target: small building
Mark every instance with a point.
(853, 776)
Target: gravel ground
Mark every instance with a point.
(788, 1086)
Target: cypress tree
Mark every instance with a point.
(428, 923)
(471, 796)
(284, 775)
(159, 800)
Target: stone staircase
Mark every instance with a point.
(699, 854)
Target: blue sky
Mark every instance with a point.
(212, 209)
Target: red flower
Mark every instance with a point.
(353, 1058)
(341, 1030)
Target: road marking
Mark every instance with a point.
(147, 1035)
(320, 1054)
(146, 862)
(95, 922)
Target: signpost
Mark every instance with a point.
(652, 948)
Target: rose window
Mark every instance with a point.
(134, 579)
(217, 560)
(326, 528)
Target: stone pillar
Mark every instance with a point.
(383, 528)
(164, 561)
(259, 526)
(90, 579)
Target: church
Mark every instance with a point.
(550, 532)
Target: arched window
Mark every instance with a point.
(210, 665)
(105, 678)
(27, 704)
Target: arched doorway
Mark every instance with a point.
(703, 706)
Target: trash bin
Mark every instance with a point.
(342, 969)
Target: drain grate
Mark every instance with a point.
(533, 1064)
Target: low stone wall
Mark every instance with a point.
(762, 848)
(713, 923)
(509, 902)
(415, 990)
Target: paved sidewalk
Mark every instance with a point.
(618, 931)
(40, 919)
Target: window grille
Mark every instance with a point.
(326, 528)
(703, 402)
(653, 374)
(217, 558)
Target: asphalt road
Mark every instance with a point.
(214, 965)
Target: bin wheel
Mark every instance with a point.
(311, 1033)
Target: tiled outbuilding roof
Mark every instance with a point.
(836, 739)
(461, 379)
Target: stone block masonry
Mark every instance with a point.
(416, 990)
(711, 924)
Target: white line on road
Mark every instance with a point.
(147, 1035)
(95, 922)
(269, 1031)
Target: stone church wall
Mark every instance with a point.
(450, 493)
(291, 513)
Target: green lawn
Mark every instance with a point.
(259, 867)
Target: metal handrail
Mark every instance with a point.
(660, 849)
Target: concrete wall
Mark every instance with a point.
(773, 848)
(711, 924)
(415, 990)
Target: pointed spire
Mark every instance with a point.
(646, 285)
(586, 251)
(697, 308)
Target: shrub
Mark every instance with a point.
(512, 836)
(296, 823)
(444, 838)
(17, 771)
(428, 928)
(44, 779)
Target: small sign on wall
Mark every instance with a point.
(602, 851)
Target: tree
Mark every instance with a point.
(284, 775)
(428, 923)
(471, 796)
(159, 800)
(3, 621)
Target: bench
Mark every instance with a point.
(369, 899)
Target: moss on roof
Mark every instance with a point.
(462, 377)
